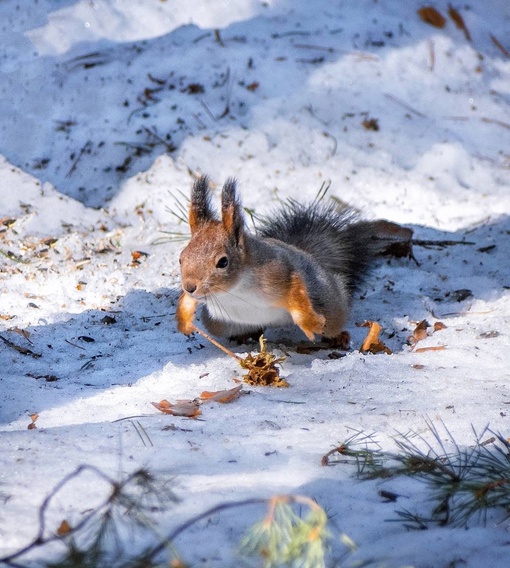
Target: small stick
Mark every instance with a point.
(503, 50)
(216, 343)
(405, 105)
(84, 149)
(169, 146)
(74, 345)
(432, 55)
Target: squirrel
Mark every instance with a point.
(303, 266)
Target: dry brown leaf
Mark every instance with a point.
(253, 86)
(262, 370)
(33, 417)
(430, 15)
(64, 528)
(23, 332)
(137, 256)
(434, 348)
(7, 221)
(459, 21)
(49, 241)
(222, 396)
(372, 343)
(371, 124)
(438, 326)
(186, 408)
(420, 331)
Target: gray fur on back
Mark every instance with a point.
(335, 237)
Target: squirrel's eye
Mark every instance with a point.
(222, 263)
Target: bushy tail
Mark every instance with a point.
(335, 237)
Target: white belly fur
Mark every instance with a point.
(245, 304)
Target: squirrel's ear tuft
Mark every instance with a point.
(231, 212)
(200, 207)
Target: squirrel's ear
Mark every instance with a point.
(200, 207)
(231, 212)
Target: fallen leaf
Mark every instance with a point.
(459, 21)
(49, 242)
(23, 332)
(371, 124)
(7, 221)
(372, 343)
(64, 528)
(420, 331)
(222, 396)
(194, 89)
(32, 425)
(137, 255)
(253, 86)
(430, 15)
(438, 326)
(186, 408)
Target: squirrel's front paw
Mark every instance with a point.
(301, 309)
(186, 308)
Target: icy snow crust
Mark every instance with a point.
(106, 109)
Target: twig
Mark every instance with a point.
(40, 540)
(74, 345)
(201, 37)
(405, 105)
(503, 50)
(317, 47)
(217, 37)
(292, 33)
(169, 146)
(22, 350)
(216, 343)
(432, 54)
(298, 499)
(140, 430)
(85, 148)
(207, 110)
(495, 121)
(11, 256)
(445, 243)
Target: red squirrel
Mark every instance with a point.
(303, 266)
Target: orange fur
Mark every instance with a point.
(297, 302)
(186, 308)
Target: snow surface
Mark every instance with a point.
(107, 109)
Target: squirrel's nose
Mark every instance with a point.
(190, 287)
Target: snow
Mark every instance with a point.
(107, 108)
